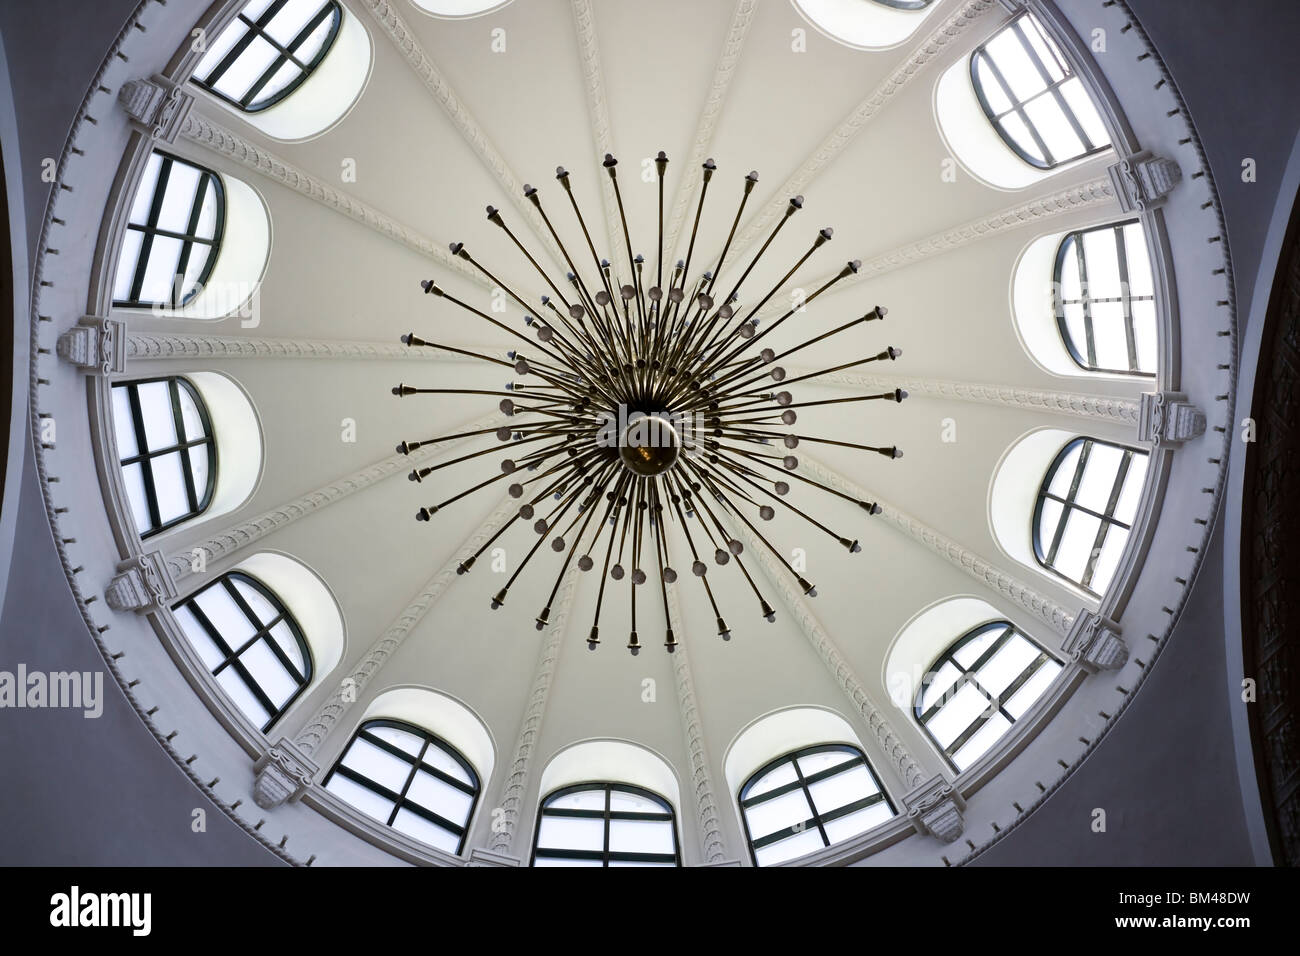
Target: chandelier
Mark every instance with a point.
(652, 422)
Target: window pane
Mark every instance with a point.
(1076, 544)
(377, 765)
(640, 836)
(778, 813)
(127, 263)
(402, 739)
(1063, 474)
(1139, 262)
(269, 674)
(160, 273)
(580, 800)
(123, 423)
(981, 741)
(842, 789)
(789, 848)
(1015, 65)
(178, 201)
(1085, 111)
(243, 698)
(1099, 477)
(417, 827)
(815, 763)
(143, 200)
(857, 822)
(291, 19)
(972, 650)
(169, 487)
(224, 615)
(156, 409)
(957, 715)
(439, 797)
(248, 69)
(778, 777)
(944, 679)
(1144, 335)
(1126, 508)
(571, 833)
(1006, 665)
(1103, 263)
(363, 798)
(207, 649)
(1018, 132)
(624, 802)
(1032, 689)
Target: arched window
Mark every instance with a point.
(809, 799)
(250, 643)
(977, 688)
(167, 452)
(605, 824)
(269, 51)
(410, 780)
(172, 236)
(1032, 97)
(1105, 299)
(1085, 511)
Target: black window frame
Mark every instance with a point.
(606, 855)
(980, 54)
(257, 28)
(188, 239)
(969, 676)
(1045, 556)
(1089, 362)
(262, 632)
(198, 504)
(399, 799)
(818, 819)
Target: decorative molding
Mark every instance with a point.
(309, 739)
(935, 809)
(1006, 585)
(1167, 418)
(144, 583)
(1089, 195)
(1101, 407)
(95, 344)
(689, 181)
(214, 137)
(157, 106)
(530, 728)
(282, 775)
(839, 139)
(142, 347)
(235, 538)
(903, 763)
(593, 81)
(1095, 643)
(1142, 181)
(697, 752)
(402, 37)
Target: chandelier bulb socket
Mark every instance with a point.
(500, 598)
(769, 614)
(467, 565)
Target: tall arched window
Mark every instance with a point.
(166, 449)
(605, 824)
(809, 799)
(977, 688)
(409, 779)
(250, 643)
(1105, 299)
(172, 236)
(269, 51)
(1032, 97)
(1085, 511)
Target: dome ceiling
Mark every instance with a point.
(460, 112)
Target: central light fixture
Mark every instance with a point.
(648, 416)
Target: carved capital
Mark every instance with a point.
(1167, 418)
(935, 809)
(481, 857)
(158, 106)
(143, 584)
(1095, 643)
(283, 774)
(95, 344)
(1142, 181)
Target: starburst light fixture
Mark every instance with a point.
(648, 415)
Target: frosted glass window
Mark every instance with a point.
(391, 771)
(1032, 97)
(605, 824)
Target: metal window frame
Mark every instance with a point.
(1088, 362)
(981, 55)
(400, 800)
(1046, 556)
(253, 29)
(188, 239)
(970, 676)
(605, 855)
(144, 455)
(819, 818)
(262, 632)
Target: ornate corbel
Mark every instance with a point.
(157, 106)
(95, 344)
(935, 809)
(144, 583)
(1095, 642)
(282, 775)
(1142, 181)
(1167, 418)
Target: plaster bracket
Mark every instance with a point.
(1143, 180)
(96, 345)
(935, 809)
(143, 583)
(1095, 642)
(1167, 418)
(283, 774)
(481, 857)
(157, 106)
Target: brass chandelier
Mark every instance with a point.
(647, 408)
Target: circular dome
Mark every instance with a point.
(933, 633)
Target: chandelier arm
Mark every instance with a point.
(563, 176)
(532, 194)
(495, 217)
(751, 178)
(442, 293)
(697, 563)
(707, 167)
(735, 547)
(848, 543)
(413, 340)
